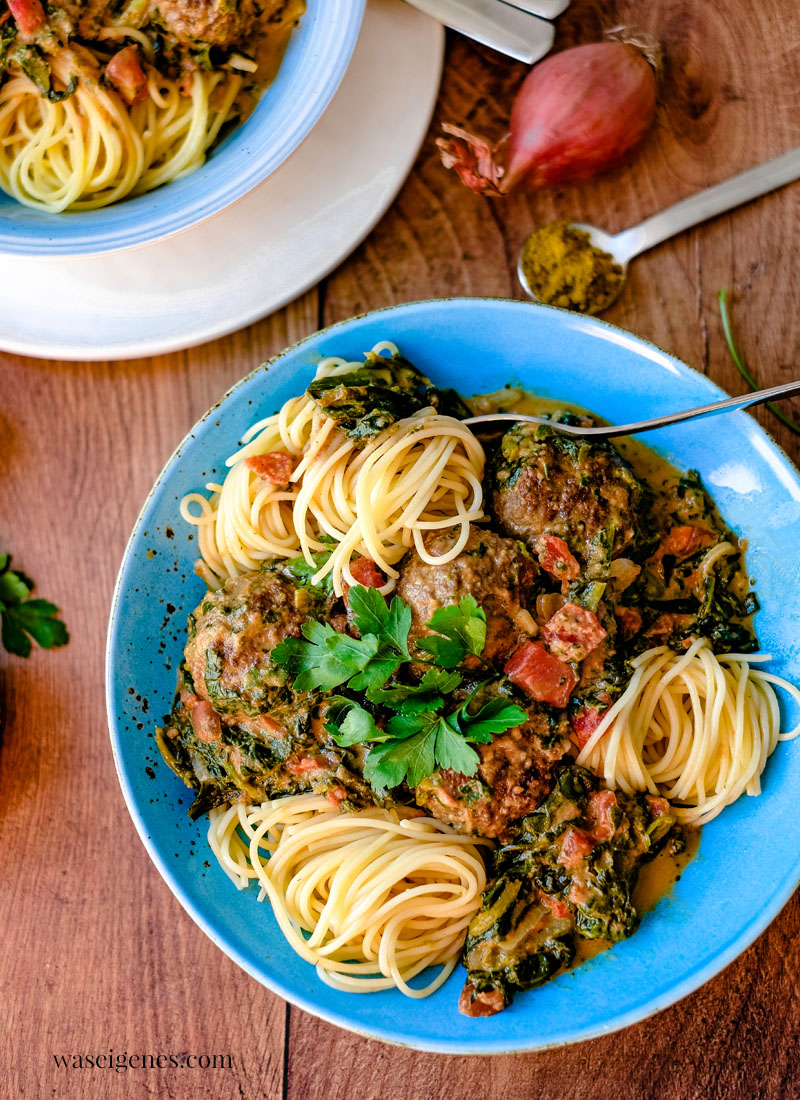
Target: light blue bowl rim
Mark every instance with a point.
(323, 43)
(784, 888)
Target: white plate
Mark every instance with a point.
(271, 246)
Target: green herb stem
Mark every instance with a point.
(741, 366)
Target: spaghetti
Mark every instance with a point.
(92, 111)
(422, 474)
(91, 149)
(370, 898)
(694, 727)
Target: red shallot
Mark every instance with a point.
(576, 114)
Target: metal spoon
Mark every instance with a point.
(608, 431)
(683, 215)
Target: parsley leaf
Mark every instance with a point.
(464, 628)
(24, 618)
(413, 758)
(358, 725)
(300, 572)
(325, 659)
(426, 695)
(377, 672)
(371, 616)
(419, 744)
(418, 737)
(496, 716)
(421, 741)
(452, 751)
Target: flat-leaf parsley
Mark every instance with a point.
(424, 732)
(24, 618)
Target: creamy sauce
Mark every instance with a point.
(657, 877)
(656, 880)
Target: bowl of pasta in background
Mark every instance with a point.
(748, 863)
(316, 57)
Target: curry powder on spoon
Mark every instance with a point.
(563, 268)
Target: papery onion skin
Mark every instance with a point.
(578, 113)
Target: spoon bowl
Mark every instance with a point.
(613, 246)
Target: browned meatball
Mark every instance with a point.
(513, 778)
(216, 22)
(580, 491)
(232, 634)
(497, 572)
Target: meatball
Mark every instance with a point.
(514, 777)
(497, 572)
(215, 22)
(581, 491)
(232, 634)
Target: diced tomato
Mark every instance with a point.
(559, 908)
(585, 722)
(29, 16)
(685, 540)
(366, 572)
(125, 72)
(598, 814)
(666, 625)
(541, 674)
(658, 806)
(578, 893)
(275, 467)
(336, 796)
(555, 557)
(206, 721)
(573, 632)
(575, 847)
(485, 1002)
(306, 764)
(629, 620)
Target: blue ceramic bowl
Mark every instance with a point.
(749, 859)
(316, 58)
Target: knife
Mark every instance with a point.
(547, 9)
(503, 27)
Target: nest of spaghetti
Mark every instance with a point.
(450, 695)
(99, 101)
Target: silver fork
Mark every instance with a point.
(609, 431)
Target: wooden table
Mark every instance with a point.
(96, 952)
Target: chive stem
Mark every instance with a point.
(741, 366)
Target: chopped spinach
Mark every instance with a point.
(544, 893)
(369, 399)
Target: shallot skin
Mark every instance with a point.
(578, 113)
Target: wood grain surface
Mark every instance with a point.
(95, 951)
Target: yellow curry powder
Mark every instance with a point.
(563, 268)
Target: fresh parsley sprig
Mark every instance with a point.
(24, 618)
(420, 738)
(421, 735)
(325, 659)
